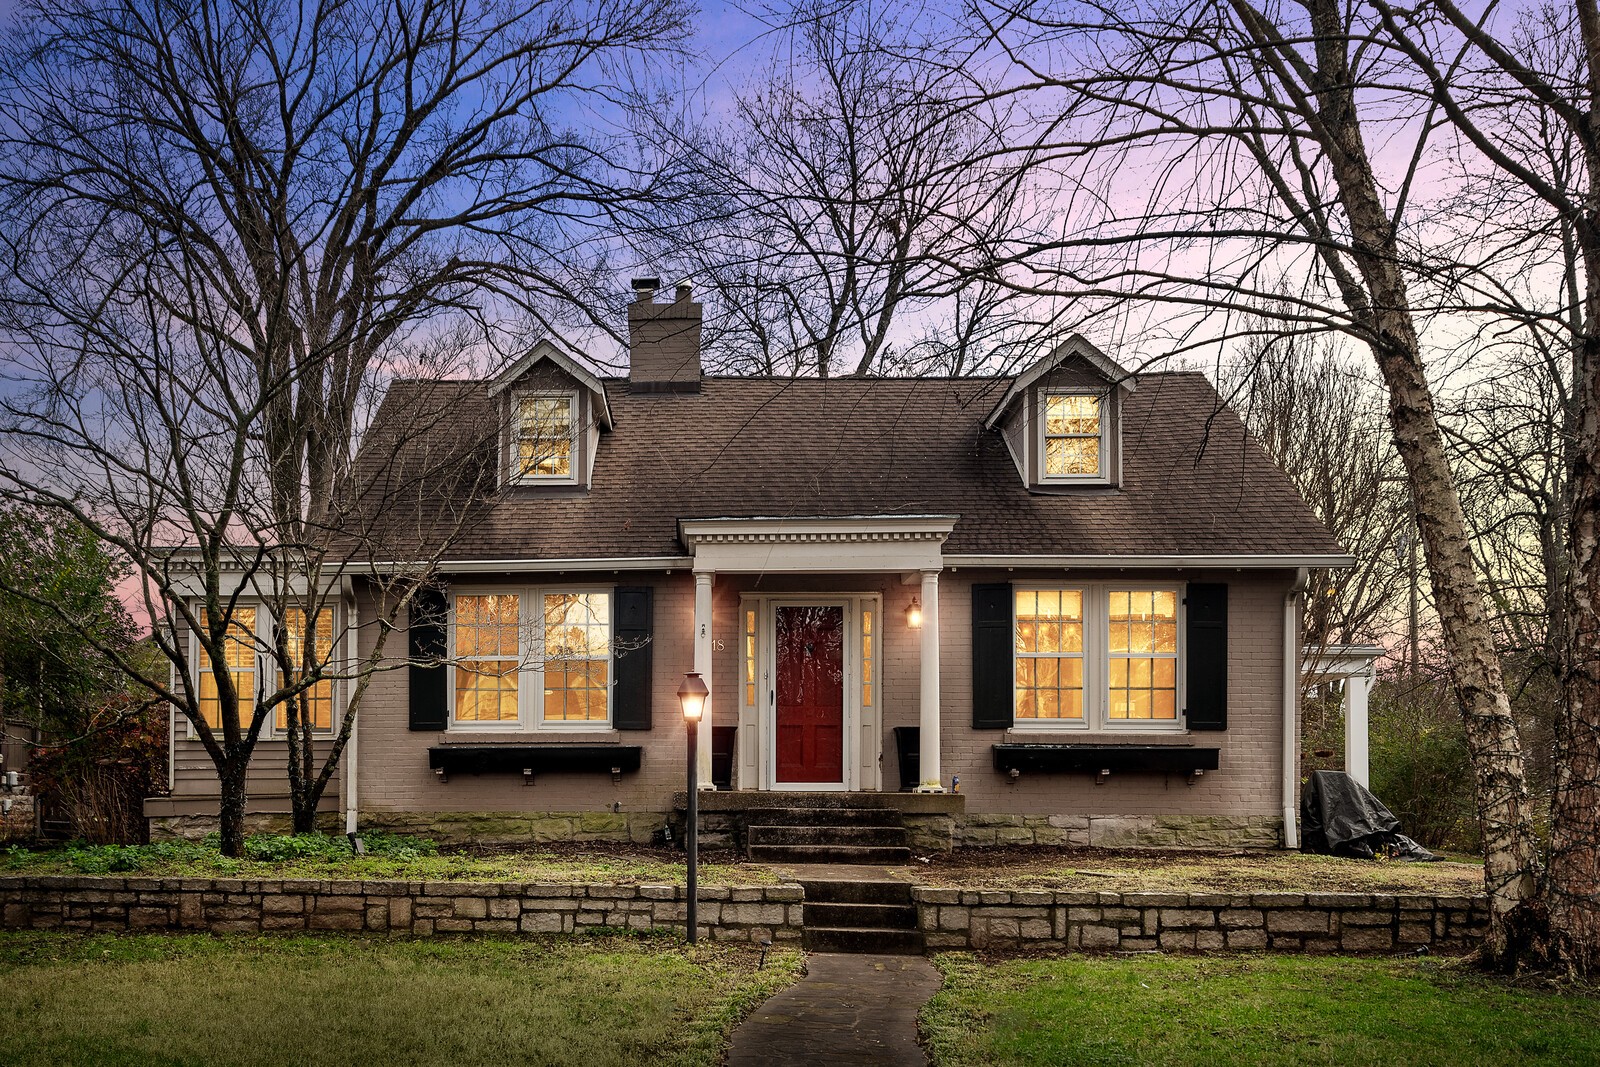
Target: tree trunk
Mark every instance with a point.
(1572, 880)
(231, 781)
(1380, 302)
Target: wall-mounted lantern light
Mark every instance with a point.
(914, 614)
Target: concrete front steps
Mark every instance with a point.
(828, 835)
(860, 916)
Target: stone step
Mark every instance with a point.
(854, 891)
(878, 855)
(862, 916)
(823, 817)
(842, 939)
(828, 835)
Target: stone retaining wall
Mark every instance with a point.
(1009, 920)
(227, 905)
(988, 920)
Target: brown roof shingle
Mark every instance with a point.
(1194, 483)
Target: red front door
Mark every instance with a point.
(810, 696)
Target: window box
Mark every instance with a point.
(1093, 759)
(538, 759)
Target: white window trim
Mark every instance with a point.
(530, 681)
(265, 662)
(514, 452)
(1097, 663)
(1041, 435)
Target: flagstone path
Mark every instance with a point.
(847, 1011)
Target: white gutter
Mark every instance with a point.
(1239, 562)
(1291, 699)
(352, 651)
(498, 566)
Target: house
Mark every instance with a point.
(1072, 591)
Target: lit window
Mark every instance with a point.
(319, 697)
(545, 436)
(867, 658)
(1072, 436)
(1049, 654)
(487, 657)
(1142, 644)
(750, 657)
(577, 660)
(239, 652)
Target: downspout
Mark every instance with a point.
(352, 650)
(1291, 701)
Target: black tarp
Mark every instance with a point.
(1340, 817)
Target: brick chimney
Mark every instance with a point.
(663, 341)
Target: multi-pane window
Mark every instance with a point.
(545, 436)
(319, 697)
(487, 654)
(1096, 655)
(868, 657)
(577, 656)
(239, 652)
(1142, 646)
(1049, 654)
(1072, 425)
(750, 657)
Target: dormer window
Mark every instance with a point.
(1074, 430)
(546, 437)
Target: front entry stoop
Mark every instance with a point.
(860, 916)
(828, 835)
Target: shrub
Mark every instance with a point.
(1419, 761)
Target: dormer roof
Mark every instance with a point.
(1076, 345)
(544, 351)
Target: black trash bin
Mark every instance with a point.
(908, 744)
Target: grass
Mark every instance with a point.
(390, 857)
(196, 1000)
(1171, 1012)
(1128, 870)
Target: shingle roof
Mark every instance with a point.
(1194, 483)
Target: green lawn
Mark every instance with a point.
(197, 1000)
(1249, 1010)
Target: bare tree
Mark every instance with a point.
(1323, 424)
(849, 197)
(1249, 127)
(225, 225)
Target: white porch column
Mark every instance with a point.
(702, 667)
(932, 781)
(1356, 689)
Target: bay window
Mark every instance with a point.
(531, 659)
(251, 653)
(1097, 656)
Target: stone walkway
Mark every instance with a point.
(848, 1011)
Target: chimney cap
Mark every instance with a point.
(646, 285)
(683, 292)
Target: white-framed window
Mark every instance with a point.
(531, 659)
(252, 655)
(1100, 655)
(1073, 437)
(545, 437)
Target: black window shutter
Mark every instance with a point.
(430, 703)
(632, 660)
(993, 675)
(1206, 616)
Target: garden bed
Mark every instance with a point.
(1154, 870)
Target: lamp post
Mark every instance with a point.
(692, 696)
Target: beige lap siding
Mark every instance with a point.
(394, 774)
